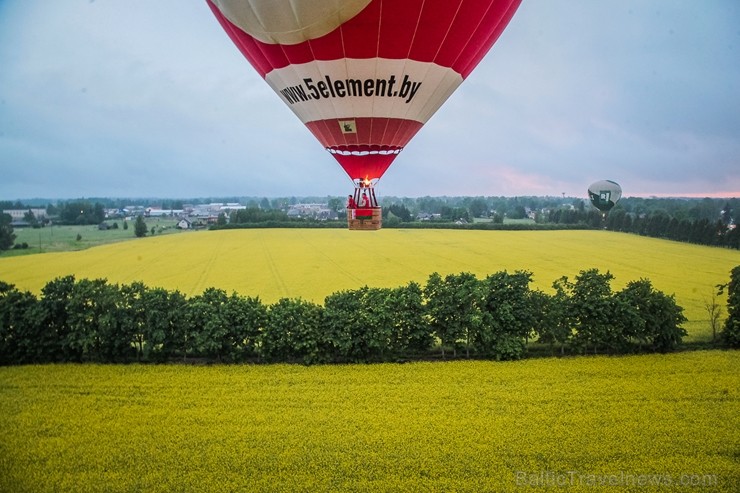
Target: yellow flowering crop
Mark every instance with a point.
(581, 424)
(313, 263)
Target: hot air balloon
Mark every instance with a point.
(364, 75)
(604, 195)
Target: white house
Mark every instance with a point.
(184, 224)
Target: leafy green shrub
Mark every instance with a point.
(731, 331)
(507, 315)
(92, 320)
(18, 333)
(292, 332)
(165, 324)
(453, 308)
(658, 317)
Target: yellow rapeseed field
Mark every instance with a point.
(311, 263)
(637, 423)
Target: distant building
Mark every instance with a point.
(114, 213)
(313, 211)
(208, 211)
(184, 224)
(156, 212)
(134, 210)
(19, 214)
(425, 216)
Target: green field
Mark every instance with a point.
(64, 238)
(312, 263)
(637, 423)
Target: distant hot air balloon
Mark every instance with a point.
(604, 195)
(364, 75)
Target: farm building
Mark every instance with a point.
(18, 216)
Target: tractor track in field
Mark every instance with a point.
(199, 285)
(423, 251)
(331, 261)
(272, 265)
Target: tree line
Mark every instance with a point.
(406, 209)
(703, 221)
(457, 315)
(661, 225)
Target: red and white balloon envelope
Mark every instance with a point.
(364, 75)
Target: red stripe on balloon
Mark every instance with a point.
(359, 154)
(497, 20)
(392, 132)
(442, 34)
(396, 34)
(365, 167)
(246, 44)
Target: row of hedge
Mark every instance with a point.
(459, 314)
(488, 226)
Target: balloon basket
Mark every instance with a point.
(369, 219)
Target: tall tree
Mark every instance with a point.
(7, 237)
(247, 317)
(53, 314)
(82, 212)
(454, 308)
(592, 309)
(726, 214)
(140, 228)
(93, 321)
(221, 220)
(401, 212)
(292, 331)
(379, 322)
(478, 207)
(132, 315)
(166, 325)
(411, 332)
(205, 314)
(552, 318)
(31, 219)
(507, 314)
(18, 341)
(656, 318)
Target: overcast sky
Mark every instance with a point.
(141, 98)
